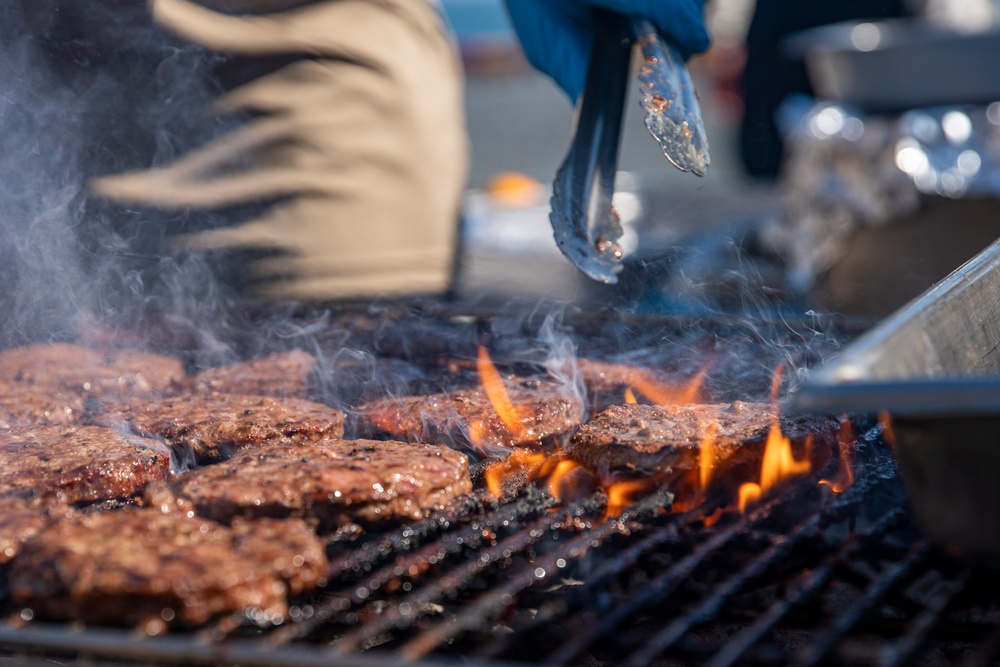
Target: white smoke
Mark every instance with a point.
(93, 89)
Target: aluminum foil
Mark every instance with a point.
(844, 170)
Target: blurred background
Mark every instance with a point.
(854, 162)
(519, 125)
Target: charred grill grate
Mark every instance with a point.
(806, 578)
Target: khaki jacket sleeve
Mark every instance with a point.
(363, 141)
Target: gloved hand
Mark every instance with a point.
(556, 35)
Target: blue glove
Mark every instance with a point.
(556, 35)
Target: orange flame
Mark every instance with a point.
(749, 493)
(778, 462)
(706, 454)
(663, 393)
(497, 393)
(556, 482)
(624, 493)
(888, 432)
(521, 462)
(629, 396)
(848, 450)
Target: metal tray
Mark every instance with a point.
(894, 65)
(934, 366)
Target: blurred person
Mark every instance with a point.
(770, 76)
(342, 176)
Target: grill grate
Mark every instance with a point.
(806, 578)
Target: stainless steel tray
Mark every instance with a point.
(894, 65)
(934, 366)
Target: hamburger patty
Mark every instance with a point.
(467, 417)
(284, 374)
(212, 427)
(162, 568)
(75, 464)
(28, 405)
(668, 437)
(99, 373)
(330, 483)
(20, 519)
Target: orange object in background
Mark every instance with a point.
(515, 190)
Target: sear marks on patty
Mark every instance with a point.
(28, 405)
(78, 464)
(94, 373)
(330, 484)
(20, 519)
(467, 418)
(163, 568)
(213, 427)
(283, 374)
(667, 438)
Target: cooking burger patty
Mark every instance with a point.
(90, 372)
(20, 519)
(75, 464)
(330, 483)
(468, 418)
(212, 427)
(284, 374)
(152, 568)
(28, 405)
(668, 437)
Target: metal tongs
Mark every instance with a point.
(586, 227)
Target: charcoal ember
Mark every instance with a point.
(467, 419)
(212, 427)
(283, 374)
(78, 464)
(28, 405)
(163, 568)
(97, 373)
(330, 484)
(20, 519)
(668, 438)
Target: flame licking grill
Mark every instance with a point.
(513, 574)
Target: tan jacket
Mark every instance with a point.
(363, 140)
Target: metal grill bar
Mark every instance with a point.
(711, 604)
(402, 613)
(448, 553)
(483, 606)
(660, 587)
(807, 585)
(824, 644)
(901, 650)
(423, 558)
(180, 650)
(613, 566)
